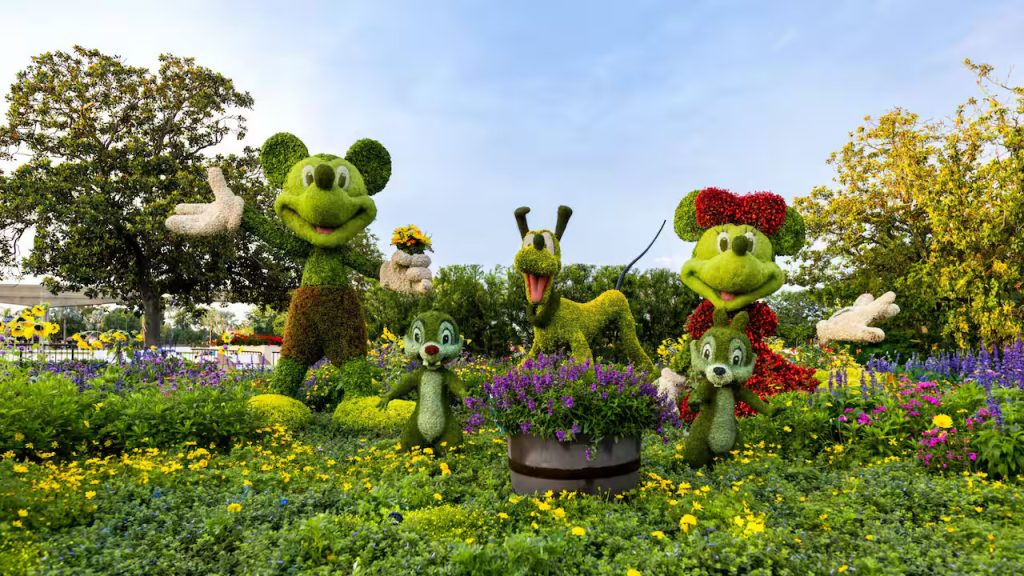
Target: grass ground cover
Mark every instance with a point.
(838, 483)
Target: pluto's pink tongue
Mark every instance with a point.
(726, 296)
(324, 230)
(536, 286)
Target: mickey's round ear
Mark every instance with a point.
(373, 162)
(686, 218)
(790, 238)
(279, 153)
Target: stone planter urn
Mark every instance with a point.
(539, 465)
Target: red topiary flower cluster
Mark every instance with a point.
(763, 210)
(772, 373)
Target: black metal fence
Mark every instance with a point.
(56, 352)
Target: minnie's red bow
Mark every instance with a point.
(762, 210)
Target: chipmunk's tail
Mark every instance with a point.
(630, 265)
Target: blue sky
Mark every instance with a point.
(615, 109)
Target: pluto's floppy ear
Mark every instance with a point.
(373, 161)
(564, 213)
(521, 213)
(686, 218)
(279, 153)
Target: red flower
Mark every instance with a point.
(763, 210)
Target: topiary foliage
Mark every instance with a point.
(686, 218)
(361, 414)
(279, 153)
(791, 237)
(279, 409)
(373, 161)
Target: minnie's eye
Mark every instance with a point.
(723, 241)
(343, 177)
(750, 240)
(307, 175)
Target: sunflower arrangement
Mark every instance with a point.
(410, 239)
(29, 324)
(116, 339)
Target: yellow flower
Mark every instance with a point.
(843, 568)
(20, 468)
(18, 436)
(502, 516)
(38, 310)
(942, 421)
(658, 534)
(22, 513)
(632, 572)
(438, 497)
(445, 471)
(686, 521)
(234, 507)
(16, 523)
(90, 495)
(97, 345)
(869, 537)
(579, 531)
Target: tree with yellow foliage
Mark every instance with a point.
(933, 210)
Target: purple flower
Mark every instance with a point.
(568, 401)
(863, 419)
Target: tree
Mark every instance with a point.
(111, 150)
(798, 314)
(932, 210)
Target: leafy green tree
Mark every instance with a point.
(932, 210)
(798, 314)
(111, 149)
(121, 319)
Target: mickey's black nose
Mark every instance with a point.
(324, 177)
(719, 370)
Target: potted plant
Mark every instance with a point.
(572, 426)
(410, 239)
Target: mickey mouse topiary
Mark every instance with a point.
(733, 266)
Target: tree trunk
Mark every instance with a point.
(152, 318)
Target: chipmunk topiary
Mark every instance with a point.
(558, 322)
(721, 362)
(433, 338)
(325, 201)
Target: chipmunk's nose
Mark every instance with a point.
(719, 370)
(324, 177)
(538, 241)
(431, 350)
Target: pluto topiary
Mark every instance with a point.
(558, 322)
(280, 409)
(325, 201)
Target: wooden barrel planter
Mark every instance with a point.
(539, 465)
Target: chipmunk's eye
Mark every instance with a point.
(417, 335)
(707, 351)
(307, 175)
(447, 335)
(737, 357)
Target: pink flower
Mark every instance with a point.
(863, 419)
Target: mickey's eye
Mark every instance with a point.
(343, 177)
(307, 175)
(707, 351)
(549, 243)
(723, 241)
(737, 357)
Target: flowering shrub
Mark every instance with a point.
(246, 339)
(410, 239)
(553, 396)
(28, 326)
